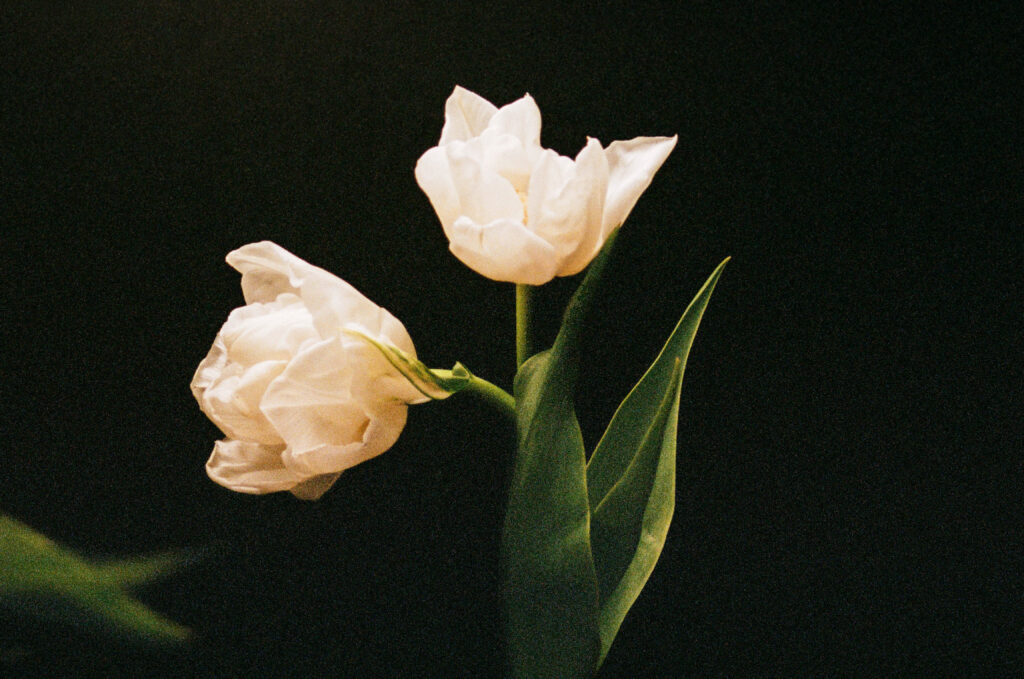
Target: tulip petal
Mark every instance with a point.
(260, 332)
(318, 413)
(310, 403)
(484, 195)
(426, 384)
(466, 115)
(521, 119)
(250, 467)
(268, 270)
(566, 203)
(210, 369)
(434, 176)
(313, 488)
(379, 381)
(504, 250)
(503, 154)
(380, 433)
(232, 402)
(631, 165)
(333, 311)
(392, 330)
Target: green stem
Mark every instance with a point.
(524, 323)
(493, 394)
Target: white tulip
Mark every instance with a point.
(293, 382)
(517, 212)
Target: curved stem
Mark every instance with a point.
(524, 321)
(493, 394)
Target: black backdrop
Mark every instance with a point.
(850, 471)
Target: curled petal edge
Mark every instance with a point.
(466, 115)
(631, 168)
(252, 468)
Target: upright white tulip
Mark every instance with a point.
(293, 382)
(517, 212)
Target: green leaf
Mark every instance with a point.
(631, 475)
(550, 589)
(434, 384)
(137, 570)
(42, 579)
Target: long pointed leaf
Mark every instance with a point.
(551, 600)
(622, 437)
(631, 475)
(629, 527)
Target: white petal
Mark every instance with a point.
(380, 434)
(310, 404)
(377, 381)
(504, 250)
(466, 114)
(261, 332)
(210, 369)
(394, 333)
(332, 311)
(379, 324)
(632, 165)
(312, 488)
(566, 203)
(435, 178)
(268, 269)
(232, 402)
(521, 119)
(250, 467)
(484, 195)
(505, 155)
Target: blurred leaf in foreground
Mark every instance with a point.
(41, 579)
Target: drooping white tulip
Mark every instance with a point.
(292, 381)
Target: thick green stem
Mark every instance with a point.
(524, 323)
(493, 394)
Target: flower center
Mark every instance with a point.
(522, 199)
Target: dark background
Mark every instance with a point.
(850, 475)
